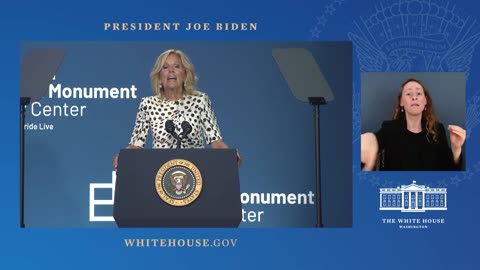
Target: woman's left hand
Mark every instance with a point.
(239, 159)
(220, 144)
(457, 139)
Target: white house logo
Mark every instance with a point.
(413, 198)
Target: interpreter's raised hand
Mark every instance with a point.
(457, 139)
(369, 150)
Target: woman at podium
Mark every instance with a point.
(414, 140)
(178, 114)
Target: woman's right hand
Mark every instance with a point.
(115, 158)
(369, 150)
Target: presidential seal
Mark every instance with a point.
(178, 182)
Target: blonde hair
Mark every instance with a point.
(428, 115)
(189, 86)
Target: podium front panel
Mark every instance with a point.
(138, 204)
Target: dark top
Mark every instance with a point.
(402, 150)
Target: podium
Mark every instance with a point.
(177, 188)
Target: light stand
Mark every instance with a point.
(36, 72)
(307, 83)
(316, 102)
(24, 101)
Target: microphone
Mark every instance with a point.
(187, 129)
(170, 128)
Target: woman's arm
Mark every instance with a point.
(220, 144)
(115, 158)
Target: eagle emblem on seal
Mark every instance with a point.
(179, 182)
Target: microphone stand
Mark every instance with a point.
(180, 138)
(179, 142)
(24, 101)
(170, 128)
(316, 102)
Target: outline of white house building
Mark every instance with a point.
(413, 198)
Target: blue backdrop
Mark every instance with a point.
(386, 36)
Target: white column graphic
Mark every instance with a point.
(93, 202)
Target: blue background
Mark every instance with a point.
(369, 244)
